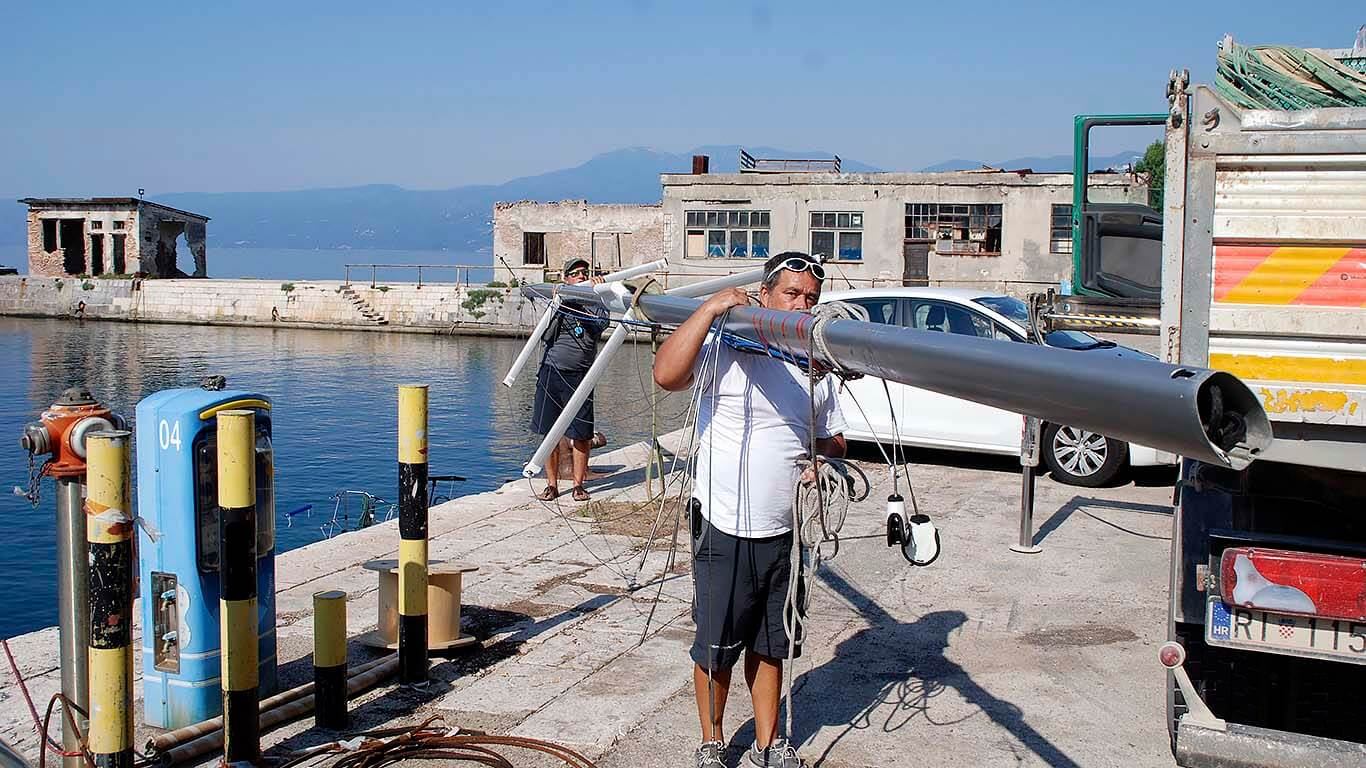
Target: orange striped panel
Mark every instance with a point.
(1325, 276)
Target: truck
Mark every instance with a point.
(1253, 262)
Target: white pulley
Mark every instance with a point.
(921, 545)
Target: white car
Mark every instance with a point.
(931, 420)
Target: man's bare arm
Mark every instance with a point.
(678, 354)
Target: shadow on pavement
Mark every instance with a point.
(888, 675)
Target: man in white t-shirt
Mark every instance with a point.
(754, 423)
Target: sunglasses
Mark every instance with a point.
(798, 265)
(577, 273)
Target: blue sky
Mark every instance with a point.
(104, 98)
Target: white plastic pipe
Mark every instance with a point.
(532, 341)
(613, 343)
(549, 314)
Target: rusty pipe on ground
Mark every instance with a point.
(163, 745)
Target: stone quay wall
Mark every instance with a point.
(430, 308)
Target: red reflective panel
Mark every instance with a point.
(1294, 582)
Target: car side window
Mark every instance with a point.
(879, 310)
(937, 316)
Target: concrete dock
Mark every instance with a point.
(986, 657)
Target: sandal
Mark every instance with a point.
(549, 493)
(580, 494)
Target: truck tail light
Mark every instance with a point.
(1278, 580)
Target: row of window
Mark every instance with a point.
(50, 230)
(954, 227)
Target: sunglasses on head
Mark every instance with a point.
(797, 264)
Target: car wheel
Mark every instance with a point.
(1078, 457)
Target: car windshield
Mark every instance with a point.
(1018, 311)
(1009, 306)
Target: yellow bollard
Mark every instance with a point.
(412, 532)
(237, 586)
(329, 659)
(109, 533)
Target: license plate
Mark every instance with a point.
(1258, 630)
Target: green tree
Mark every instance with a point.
(1153, 168)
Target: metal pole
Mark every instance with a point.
(109, 525)
(348, 274)
(419, 276)
(373, 269)
(412, 531)
(614, 342)
(73, 608)
(237, 586)
(1201, 414)
(535, 338)
(1029, 459)
(329, 659)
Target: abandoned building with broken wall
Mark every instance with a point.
(989, 230)
(112, 236)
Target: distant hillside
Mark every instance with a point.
(1044, 164)
(384, 216)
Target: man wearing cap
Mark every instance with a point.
(755, 423)
(571, 344)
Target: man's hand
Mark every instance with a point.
(721, 301)
(595, 280)
(809, 474)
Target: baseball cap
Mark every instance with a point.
(574, 264)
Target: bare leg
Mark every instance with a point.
(764, 675)
(552, 469)
(711, 700)
(581, 448)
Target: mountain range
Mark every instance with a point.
(383, 216)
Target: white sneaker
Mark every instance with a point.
(710, 755)
(780, 754)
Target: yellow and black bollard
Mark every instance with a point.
(329, 659)
(109, 533)
(237, 585)
(412, 531)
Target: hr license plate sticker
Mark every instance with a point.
(1258, 630)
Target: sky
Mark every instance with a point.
(105, 98)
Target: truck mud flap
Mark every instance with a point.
(1244, 746)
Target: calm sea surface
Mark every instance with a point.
(334, 415)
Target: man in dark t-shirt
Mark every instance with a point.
(571, 345)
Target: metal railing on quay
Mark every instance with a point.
(462, 271)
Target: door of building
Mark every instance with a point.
(916, 256)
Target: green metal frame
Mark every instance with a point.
(1081, 146)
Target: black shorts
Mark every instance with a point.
(740, 589)
(554, 387)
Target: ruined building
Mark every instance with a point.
(111, 235)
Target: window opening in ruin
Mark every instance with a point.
(837, 234)
(119, 257)
(1060, 229)
(97, 225)
(956, 228)
(97, 254)
(120, 224)
(72, 242)
(49, 235)
(533, 248)
(727, 234)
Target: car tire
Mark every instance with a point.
(1078, 457)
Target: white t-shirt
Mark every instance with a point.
(753, 425)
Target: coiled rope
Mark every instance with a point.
(1287, 78)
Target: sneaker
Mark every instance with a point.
(710, 755)
(780, 754)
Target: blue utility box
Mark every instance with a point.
(177, 464)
